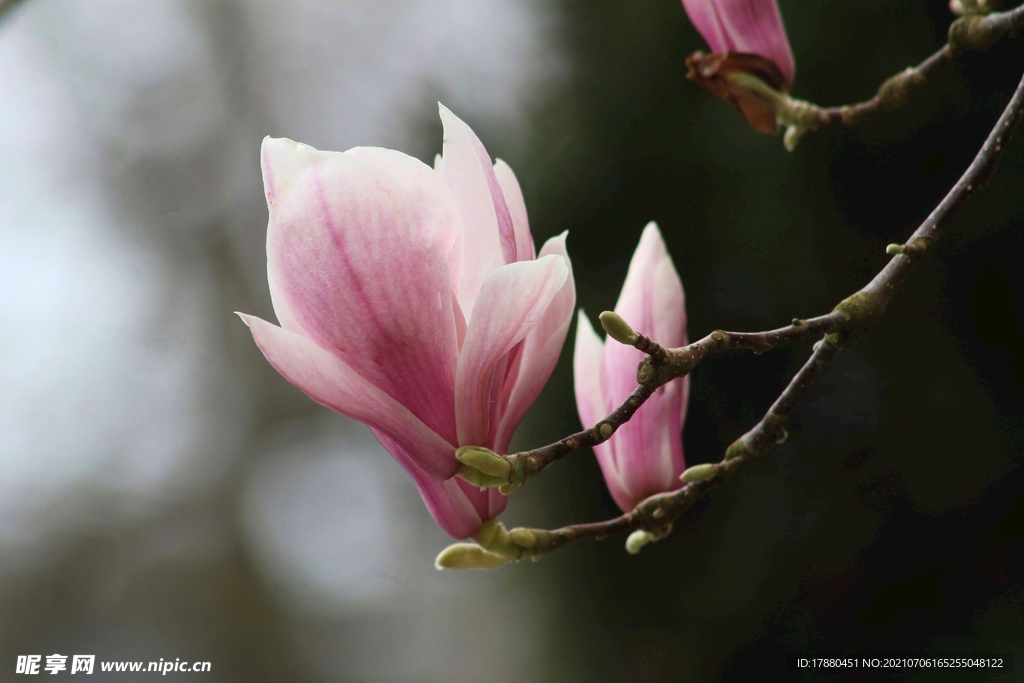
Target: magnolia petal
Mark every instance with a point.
(753, 26)
(540, 352)
(653, 292)
(495, 502)
(355, 264)
(512, 301)
(517, 208)
(667, 308)
(424, 185)
(458, 507)
(279, 164)
(586, 368)
(488, 233)
(652, 302)
(592, 406)
(328, 380)
(648, 450)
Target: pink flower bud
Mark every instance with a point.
(645, 455)
(410, 299)
(751, 27)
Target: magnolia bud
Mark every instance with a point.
(617, 328)
(698, 473)
(637, 540)
(469, 556)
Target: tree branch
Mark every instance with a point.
(660, 367)
(975, 31)
(653, 517)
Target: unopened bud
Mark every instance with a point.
(792, 136)
(637, 540)
(617, 328)
(489, 533)
(469, 556)
(698, 473)
(523, 537)
(485, 460)
(482, 467)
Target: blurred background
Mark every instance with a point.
(165, 494)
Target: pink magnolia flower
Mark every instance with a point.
(645, 455)
(410, 298)
(745, 26)
(745, 36)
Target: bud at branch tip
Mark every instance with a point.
(617, 328)
(469, 556)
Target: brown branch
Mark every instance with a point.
(972, 32)
(660, 367)
(975, 31)
(655, 515)
(894, 93)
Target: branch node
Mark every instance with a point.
(652, 348)
(738, 449)
(898, 90)
(860, 309)
(975, 32)
(915, 247)
(653, 373)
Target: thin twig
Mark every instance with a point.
(895, 92)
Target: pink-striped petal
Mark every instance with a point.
(457, 506)
(358, 266)
(328, 380)
(489, 236)
(539, 353)
(751, 26)
(590, 401)
(517, 208)
(652, 302)
(645, 455)
(586, 365)
(512, 301)
(424, 185)
(648, 450)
